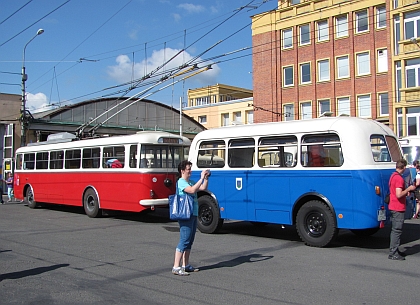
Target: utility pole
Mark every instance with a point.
(23, 117)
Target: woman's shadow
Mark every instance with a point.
(251, 258)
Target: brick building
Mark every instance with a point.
(322, 57)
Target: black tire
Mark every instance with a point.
(365, 232)
(316, 224)
(209, 220)
(30, 198)
(91, 204)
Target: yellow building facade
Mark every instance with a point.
(220, 105)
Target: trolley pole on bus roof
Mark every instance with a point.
(180, 116)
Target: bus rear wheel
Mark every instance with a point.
(30, 198)
(315, 224)
(91, 204)
(209, 220)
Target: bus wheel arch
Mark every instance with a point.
(30, 197)
(91, 203)
(315, 222)
(208, 220)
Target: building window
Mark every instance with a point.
(364, 106)
(237, 117)
(341, 26)
(305, 111)
(362, 21)
(413, 119)
(304, 37)
(412, 72)
(397, 35)
(288, 76)
(287, 38)
(383, 104)
(398, 79)
(343, 106)
(250, 117)
(294, 2)
(202, 119)
(412, 24)
(343, 69)
(225, 119)
(324, 70)
(382, 60)
(323, 106)
(381, 17)
(289, 112)
(305, 73)
(363, 63)
(322, 33)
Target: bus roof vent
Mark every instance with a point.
(61, 137)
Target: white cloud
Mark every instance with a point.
(191, 8)
(37, 102)
(124, 70)
(176, 16)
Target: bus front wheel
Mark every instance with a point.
(209, 220)
(315, 224)
(30, 198)
(91, 204)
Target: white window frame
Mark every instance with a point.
(305, 110)
(250, 116)
(322, 31)
(362, 63)
(411, 17)
(341, 26)
(343, 105)
(284, 76)
(381, 17)
(286, 38)
(360, 17)
(237, 116)
(364, 106)
(343, 63)
(324, 70)
(301, 42)
(202, 119)
(321, 104)
(382, 60)
(308, 79)
(225, 119)
(383, 101)
(289, 112)
(412, 66)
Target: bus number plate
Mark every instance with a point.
(381, 215)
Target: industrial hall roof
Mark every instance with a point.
(120, 116)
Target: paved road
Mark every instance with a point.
(57, 255)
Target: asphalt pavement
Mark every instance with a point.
(58, 255)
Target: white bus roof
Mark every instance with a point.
(143, 137)
(342, 125)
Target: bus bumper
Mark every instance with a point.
(154, 202)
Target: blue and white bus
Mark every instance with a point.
(320, 175)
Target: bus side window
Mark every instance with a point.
(321, 150)
(241, 153)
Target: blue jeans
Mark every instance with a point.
(10, 193)
(187, 230)
(397, 219)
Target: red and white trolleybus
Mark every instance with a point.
(126, 173)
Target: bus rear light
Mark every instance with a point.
(377, 190)
(152, 194)
(382, 224)
(382, 208)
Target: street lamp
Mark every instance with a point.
(23, 117)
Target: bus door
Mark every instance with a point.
(239, 182)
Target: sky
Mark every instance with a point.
(103, 48)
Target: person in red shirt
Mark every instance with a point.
(397, 203)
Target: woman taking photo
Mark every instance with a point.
(187, 227)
